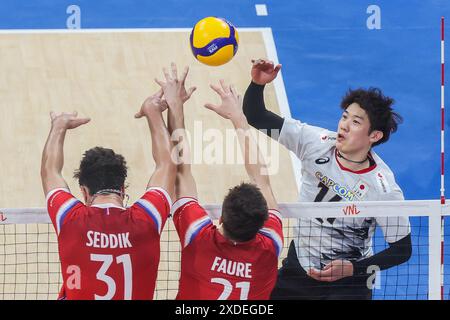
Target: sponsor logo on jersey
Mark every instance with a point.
(340, 190)
(326, 138)
(360, 189)
(323, 160)
(382, 182)
(2, 217)
(351, 210)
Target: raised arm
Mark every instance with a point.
(53, 153)
(263, 72)
(176, 95)
(254, 161)
(165, 169)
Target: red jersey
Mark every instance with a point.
(108, 252)
(215, 268)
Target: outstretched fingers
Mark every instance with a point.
(211, 106)
(217, 89)
(184, 75)
(173, 66)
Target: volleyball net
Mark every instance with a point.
(30, 268)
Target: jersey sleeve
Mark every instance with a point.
(155, 205)
(273, 229)
(60, 202)
(394, 228)
(305, 140)
(190, 219)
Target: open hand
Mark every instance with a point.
(174, 89)
(264, 71)
(231, 101)
(66, 120)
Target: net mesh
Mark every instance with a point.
(30, 269)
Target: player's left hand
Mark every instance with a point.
(231, 101)
(335, 270)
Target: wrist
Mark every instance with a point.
(239, 120)
(257, 84)
(175, 104)
(152, 112)
(58, 128)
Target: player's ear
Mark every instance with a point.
(375, 136)
(85, 192)
(220, 220)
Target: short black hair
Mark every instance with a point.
(244, 211)
(100, 169)
(379, 109)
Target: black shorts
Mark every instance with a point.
(293, 283)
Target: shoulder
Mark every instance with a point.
(384, 179)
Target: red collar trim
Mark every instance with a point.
(359, 171)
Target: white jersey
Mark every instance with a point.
(319, 241)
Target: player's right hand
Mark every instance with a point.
(66, 120)
(264, 71)
(152, 104)
(174, 88)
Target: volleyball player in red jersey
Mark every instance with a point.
(108, 251)
(238, 259)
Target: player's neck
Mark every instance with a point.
(355, 162)
(107, 198)
(222, 232)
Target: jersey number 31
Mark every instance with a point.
(107, 260)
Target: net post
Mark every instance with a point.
(442, 151)
(435, 254)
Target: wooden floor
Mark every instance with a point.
(106, 76)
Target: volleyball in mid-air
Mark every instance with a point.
(214, 41)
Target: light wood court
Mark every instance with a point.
(106, 76)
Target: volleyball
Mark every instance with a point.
(214, 41)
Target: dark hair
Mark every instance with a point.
(100, 169)
(378, 108)
(244, 211)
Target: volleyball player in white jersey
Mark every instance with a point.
(333, 258)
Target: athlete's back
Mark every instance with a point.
(216, 268)
(108, 252)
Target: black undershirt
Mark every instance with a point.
(264, 120)
(257, 114)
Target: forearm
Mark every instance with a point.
(161, 144)
(165, 170)
(53, 153)
(185, 185)
(53, 160)
(254, 161)
(397, 253)
(257, 115)
(178, 134)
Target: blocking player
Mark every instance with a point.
(108, 251)
(238, 259)
(333, 258)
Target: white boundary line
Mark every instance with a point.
(128, 30)
(280, 92)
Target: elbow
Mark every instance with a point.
(405, 250)
(251, 119)
(408, 253)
